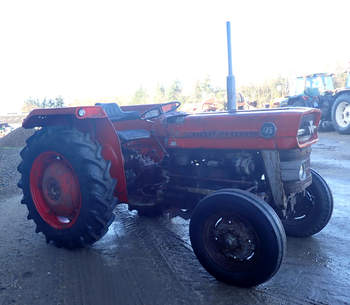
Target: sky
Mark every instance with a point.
(101, 49)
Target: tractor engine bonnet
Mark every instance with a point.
(272, 129)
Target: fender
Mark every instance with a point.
(91, 119)
(341, 91)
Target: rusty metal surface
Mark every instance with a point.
(273, 171)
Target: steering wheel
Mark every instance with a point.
(175, 105)
(151, 113)
(155, 112)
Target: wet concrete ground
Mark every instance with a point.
(150, 261)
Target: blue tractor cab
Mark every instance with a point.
(314, 84)
(347, 84)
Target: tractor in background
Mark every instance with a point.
(317, 91)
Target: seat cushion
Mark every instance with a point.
(133, 134)
(114, 112)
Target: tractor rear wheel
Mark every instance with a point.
(312, 211)
(237, 237)
(341, 114)
(67, 186)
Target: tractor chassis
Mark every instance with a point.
(178, 194)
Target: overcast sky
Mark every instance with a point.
(101, 49)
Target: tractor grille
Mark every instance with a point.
(295, 169)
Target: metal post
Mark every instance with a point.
(230, 80)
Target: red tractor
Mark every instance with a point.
(242, 177)
(234, 174)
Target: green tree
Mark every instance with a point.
(160, 95)
(340, 75)
(140, 97)
(198, 94)
(207, 87)
(204, 90)
(267, 91)
(175, 91)
(32, 103)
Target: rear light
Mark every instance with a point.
(307, 129)
(81, 112)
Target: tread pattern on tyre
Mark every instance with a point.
(96, 185)
(275, 226)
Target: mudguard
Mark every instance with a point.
(90, 119)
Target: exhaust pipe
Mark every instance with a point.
(230, 80)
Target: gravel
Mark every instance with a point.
(9, 160)
(16, 138)
(10, 147)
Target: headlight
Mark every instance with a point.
(307, 128)
(302, 172)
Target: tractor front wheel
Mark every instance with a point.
(237, 237)
(312, 211)
(67, 186)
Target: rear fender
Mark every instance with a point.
(340, 92)
(93, 120)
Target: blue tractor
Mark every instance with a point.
(317, 91)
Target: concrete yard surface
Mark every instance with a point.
(150, 261)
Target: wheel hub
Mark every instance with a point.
(305, 203)
(342, 114)
(234, 240)
(55, 190)
(58, 188)
(231, 241)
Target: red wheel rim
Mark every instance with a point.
(55, 190)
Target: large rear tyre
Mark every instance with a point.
(237, 237)
(325, 126)
(341, 114)
(67, 186)
(312, 211)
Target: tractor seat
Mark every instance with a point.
(133, 134)
(115, 114)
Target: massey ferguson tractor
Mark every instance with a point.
(243, 178)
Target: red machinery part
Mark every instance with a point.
(55, 190)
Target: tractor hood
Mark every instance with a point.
(280, 128)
